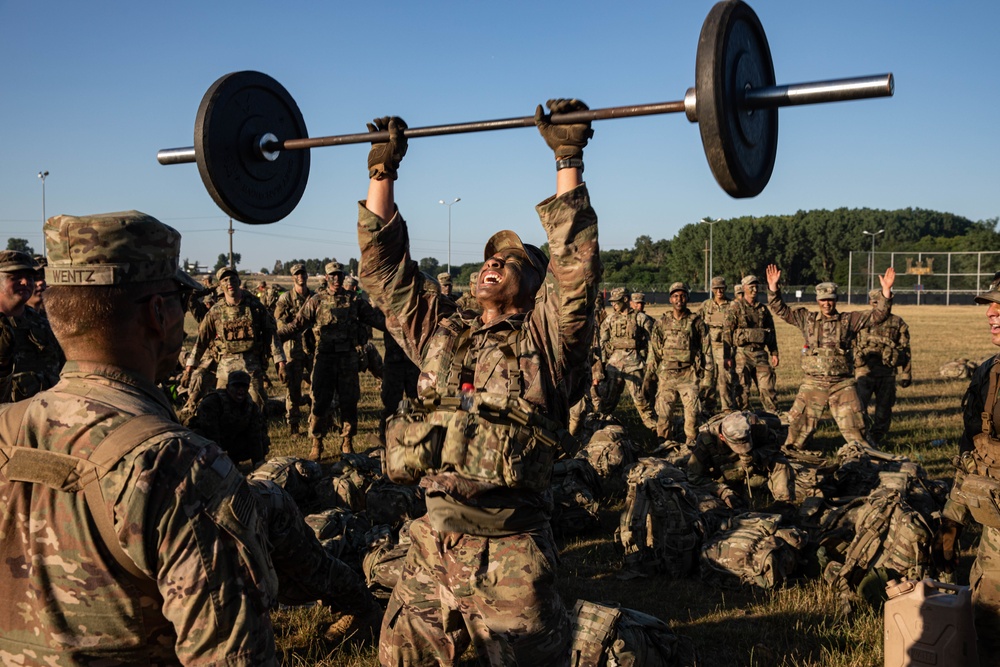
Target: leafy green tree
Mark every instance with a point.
(20, 244)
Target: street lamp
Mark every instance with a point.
(453, 202)
(42, 175)
(871, 258)
(711, 266)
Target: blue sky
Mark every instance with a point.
(90, 91)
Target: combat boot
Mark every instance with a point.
(316, 453)
(347, 445)
(293, 428)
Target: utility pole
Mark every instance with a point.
(231, 265)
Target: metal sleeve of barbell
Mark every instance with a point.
(176, 155)
(818, 92)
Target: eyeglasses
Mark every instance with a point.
(183, 295)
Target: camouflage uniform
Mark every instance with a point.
(749, 331)
(714, 316)
(878, 351)
(336, 319)
(680, 358)
(238, 427)
(496, 511)
(827, 365)
(242, 334)
(624, 343)
(30, 356)
(736, 465)
(467, 300)
(591, 401)
(285, 310)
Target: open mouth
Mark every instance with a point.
(490, 278)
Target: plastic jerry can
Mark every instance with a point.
(929, 623)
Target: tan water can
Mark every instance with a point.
(929, 623)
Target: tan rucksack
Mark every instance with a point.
(756, 550)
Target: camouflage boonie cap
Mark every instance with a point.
(992, 295)
(238, 377)
(638, 297)
(679, 287)
(444, 278)
(874, 294)
(718, 281)
(297, 268)
(333, 267)
(617, 294)
(225, 271)
(15, 260)
(736, 430)
(506, 239)
(750, 280)
(112, 249)
(826, 291)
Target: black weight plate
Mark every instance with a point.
(733, 56)
(236, 110)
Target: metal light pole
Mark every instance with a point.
(871, 258)
(42, 175)
(453, 202)
(711, 254)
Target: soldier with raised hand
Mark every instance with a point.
(828, 362)
(336, 316)
(501, 381)
(713, 313)
(680, 360)
(30, 356)
(624, 343)
(878, 351)
(749, 331)
(243, 332)
(285, 310)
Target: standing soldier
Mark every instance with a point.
(680, 358)
(336, 317)
(827, 364)
(624, 343)
(285, 310)
(749, 331)
(242, 331)
(444, 280)
(878, 351)
(713, 312)
(30, 356)
(468, 299)
(36, 301)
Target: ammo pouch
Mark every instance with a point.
(890, 356)
(754, 336)
(238, 335)
(826, 362)
(496, 439)
(981, 495)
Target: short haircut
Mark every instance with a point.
(76, 311)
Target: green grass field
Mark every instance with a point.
(800, 625)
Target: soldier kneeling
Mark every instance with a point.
(230, 418)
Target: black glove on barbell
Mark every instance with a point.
(384, 157)
(568, 141)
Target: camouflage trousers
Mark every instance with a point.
(879, 390)
(335, 376)
(306, 571)
(398, 379)
(984, 579)
(751, 371)
(497, 593)
(239, 362)
(813, 397)
(615, 378)
(721, 396)
(294, 369)
(672, 385)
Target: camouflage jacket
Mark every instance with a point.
(714, 315)
(287, 307)
(30, 356)
(238, 428)
(202, 302)
(337, 321)
(678, 344)
(467, 301)
(882, 348)
(974, 404)
(713, 465)
(183, 514)
(829, 338)
(624, 341)
(749, 327)
(245, 330)
(550, 345)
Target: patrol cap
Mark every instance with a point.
(738, 288)
(333, 267)
(638, 297)
(874, 294)
(238, 377)
(297, 268)
(444, 278)
(992, 295)
(718, 281)
(506, 239)
(225, 271)
(679, 287)
(350, 280)
(112, 249)
(15, 260)
(750, 280)
(617, 294)
(826, 291)
(735, 428)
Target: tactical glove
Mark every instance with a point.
(944, 549)
(647, 384)
(185, 378)
(282, 377)
(568, 141)
(384, 157)
(905, 380)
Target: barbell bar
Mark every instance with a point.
(251, 144)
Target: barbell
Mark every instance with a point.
(251, 140)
